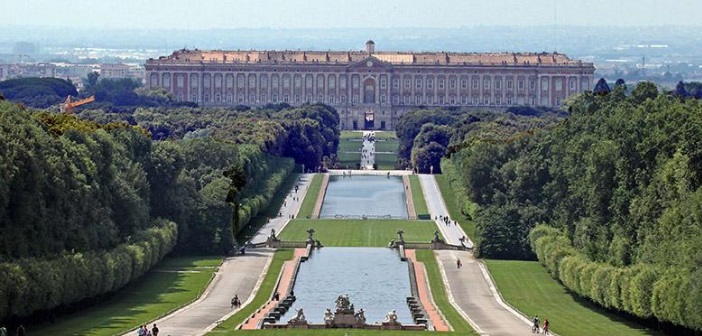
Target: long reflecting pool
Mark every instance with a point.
(374, 278)
(362, 195)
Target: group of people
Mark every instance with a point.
(144, 330)
(20, 331)
(536, 328)
(236, 303)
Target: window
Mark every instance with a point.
(486, 83)
(218, 97)
(154, 79)
(342, 82)
(532, 84)
(572, 84)
(275, 98)
(418, 83)
(475, 84)
(206, 81)
(498, 100)
(229, 81)
(286, 99)
(475, 100)
(520, 85)
(354, 81)
(252, 98)
(264, 81)
(343, 99)
(355, 99)
(407, 100)
(286, 82)
(193, 81)
(331, 99)
(498, 84)
(229, 98)
(298, 82)
(509, 84)
(453, 100)
(297, 99)
(308, 81)
(332, 82)
(193, 97)
(167, 80)
(263, 99)
(320, 81)
(509, 100)
(544, 84)
(441, 83)
(441, 100)
(309, 99)
(407, 83)
(464, 100)
(396, 100)
(430, 83)
(320, 98)
(452, 84)
(383, 82)
(418, 99)
(486, 100)
(218, 81)
(179, 81)
(382, 99)
(559, 84)
(395, 83)
(207, 98)
(464, 84)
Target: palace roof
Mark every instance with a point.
(185, 56)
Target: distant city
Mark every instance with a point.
(662, 54)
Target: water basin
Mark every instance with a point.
(363, 195)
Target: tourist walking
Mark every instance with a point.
(154, 330)
(21, 331)
(458, 263)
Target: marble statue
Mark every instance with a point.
(360, 316)
(328, 317)
(391, 318)
(299, 317)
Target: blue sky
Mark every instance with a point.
(209, 14)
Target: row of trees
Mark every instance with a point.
(74, 191)
(668, 293)
(621, 178)
(33, 284)
(37, 92)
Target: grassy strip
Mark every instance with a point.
(386, 161)
(352, 232)
(438, 292)
(338, 332)
(350, 135)
(161, 291)
(385, 135)
(263, 294)
(527, 286)
(310, 200)
(387, 146)
(450, 201)
(420, 204)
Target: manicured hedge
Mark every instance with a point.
(34, 284)
(669, 294)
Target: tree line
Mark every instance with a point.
(620, 181)
(83, 196)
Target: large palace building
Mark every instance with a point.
(370, 89)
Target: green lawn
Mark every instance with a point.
(387, 146)
(527, 286)
(350, 135)
(263, 294)
(352, 232)
(450, 201)
(349, 153)
(438, 292)
(308, 203)
(420, 205)
(159, 292)
(385, 135)
(333, 332)
(386, 161)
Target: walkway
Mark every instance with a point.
(470, 288)
(435, 203)
(424, 292)
(240, 275)
(367, 152)
(291, 206)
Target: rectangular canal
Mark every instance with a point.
(363, 195)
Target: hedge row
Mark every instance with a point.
(32, 284)
(254, 204)
(668, 294)
(458, 186)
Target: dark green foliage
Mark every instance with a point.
(621, 184)
(33, 284)
(37, 92)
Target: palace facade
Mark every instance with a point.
(370, 89)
